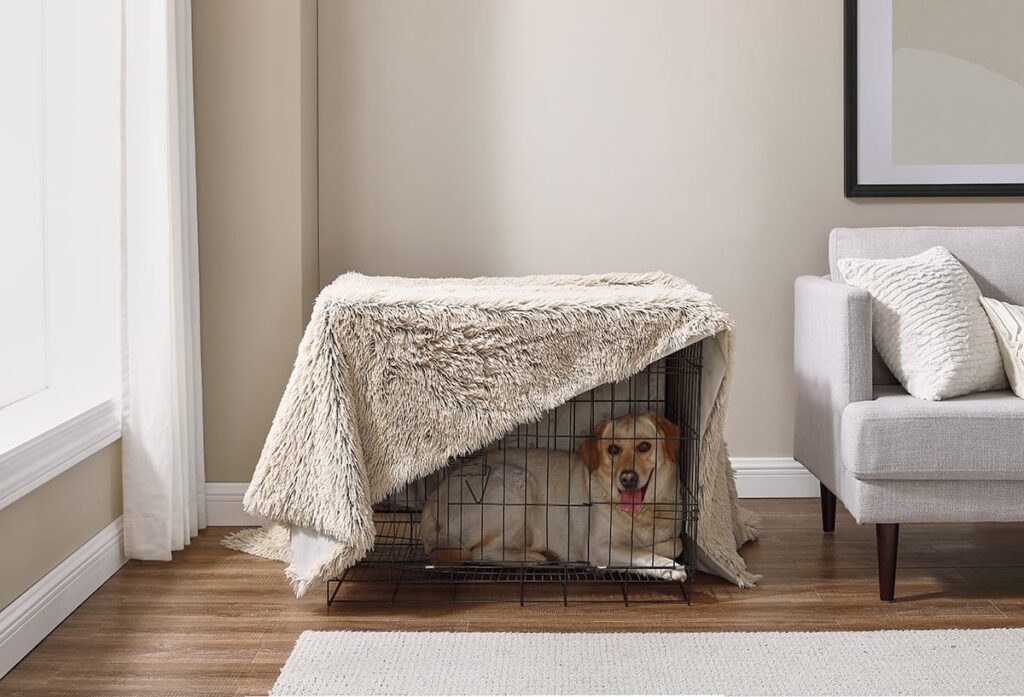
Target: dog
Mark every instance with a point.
(614, 504)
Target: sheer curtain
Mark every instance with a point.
(162, 433)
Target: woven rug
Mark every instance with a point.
(935, 662)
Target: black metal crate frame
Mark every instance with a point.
(399, 562)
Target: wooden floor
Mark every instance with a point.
(217, 622)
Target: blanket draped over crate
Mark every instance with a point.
(394, 376)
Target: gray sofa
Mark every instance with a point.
(889, 457)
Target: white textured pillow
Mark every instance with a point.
(1008, 323)
(929, 325)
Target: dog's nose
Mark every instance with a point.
(629, 479)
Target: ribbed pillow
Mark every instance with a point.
(1008, 323)
(929, 325)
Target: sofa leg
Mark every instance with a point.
(887, 535)
(828, 510)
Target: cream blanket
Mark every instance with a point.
(395, 376)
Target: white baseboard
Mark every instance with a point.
(38, 611)
(773, 478)
(224, 504)
(756, 478)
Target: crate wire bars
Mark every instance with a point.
(513, 523)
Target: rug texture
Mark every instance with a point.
(395, 376)
(937, 662)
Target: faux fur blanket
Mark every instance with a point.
(395, 376)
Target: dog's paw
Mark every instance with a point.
(675, 573)
(665, 571)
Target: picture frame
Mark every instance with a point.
(873, 164)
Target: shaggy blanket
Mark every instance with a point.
(395, 376)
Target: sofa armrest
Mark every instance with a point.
(832, 364)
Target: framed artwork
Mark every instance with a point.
(934, 97)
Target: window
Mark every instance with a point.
(22, 350)
(60, 223)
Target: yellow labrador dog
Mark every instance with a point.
(614, 504)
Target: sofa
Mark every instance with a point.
(889, 457)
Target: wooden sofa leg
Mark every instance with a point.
(828, 510)
(887, 535)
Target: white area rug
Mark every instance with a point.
(941, 662)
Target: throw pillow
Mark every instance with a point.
(1008, 323)
(928, 323)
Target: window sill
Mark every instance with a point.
(48, 433)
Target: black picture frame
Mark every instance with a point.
(854, 189)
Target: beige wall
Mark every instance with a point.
(42, 528)
(518, 136)
(255, 109)
(528, 136)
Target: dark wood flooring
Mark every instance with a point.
(217, 622)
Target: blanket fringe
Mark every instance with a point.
(270, 542)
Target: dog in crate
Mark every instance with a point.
(616, 503)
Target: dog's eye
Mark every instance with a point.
(614, 449)
(643, 447)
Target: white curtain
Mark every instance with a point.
(162, 434)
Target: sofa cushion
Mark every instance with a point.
(896, 436)
(992, 255)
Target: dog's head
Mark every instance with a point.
(633, 459)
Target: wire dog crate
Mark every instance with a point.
(595, 502)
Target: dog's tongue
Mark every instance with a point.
(631, 499)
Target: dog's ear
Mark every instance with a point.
(589, 447)
(668, 433)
